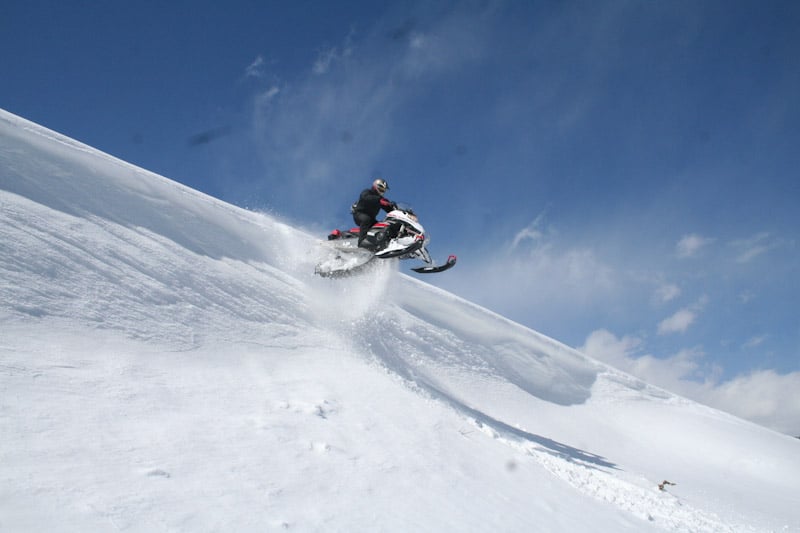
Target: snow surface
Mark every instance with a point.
(169, 362)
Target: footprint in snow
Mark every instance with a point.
(159, 473)
(320, 447)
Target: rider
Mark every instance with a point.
(370, 202)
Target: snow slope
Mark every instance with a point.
(168, 362)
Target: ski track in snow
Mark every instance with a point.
(204, 294)
(637, 497)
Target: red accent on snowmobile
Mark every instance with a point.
(356, 230)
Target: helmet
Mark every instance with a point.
(380, 185)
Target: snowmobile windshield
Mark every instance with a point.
(408, 210)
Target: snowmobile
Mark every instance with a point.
(399, 235)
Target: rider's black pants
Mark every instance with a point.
(364, 222)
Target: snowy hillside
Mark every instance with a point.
(169, 362)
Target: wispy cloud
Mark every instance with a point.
(747, 296)
(266, 96)
(667, 292)
(531, 232)
(750, 248)
(256, 68)
(754, 342)
(690, 245)
(330, 55)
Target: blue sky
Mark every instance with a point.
(619, 175)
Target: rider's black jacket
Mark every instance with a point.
(371, 202)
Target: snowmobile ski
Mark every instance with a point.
(451, 262)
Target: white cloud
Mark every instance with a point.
(747, 296)
(417, 40)
(754, 342)
(667, 292)
(265, 98)
(677, 323)
(255, 69)
(749, 249)
(682, 319)
(764, 396)
(690, 245)
(530, 232)
(624, 354)
(330, 55)
(605, 346)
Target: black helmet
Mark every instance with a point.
(380, 185)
